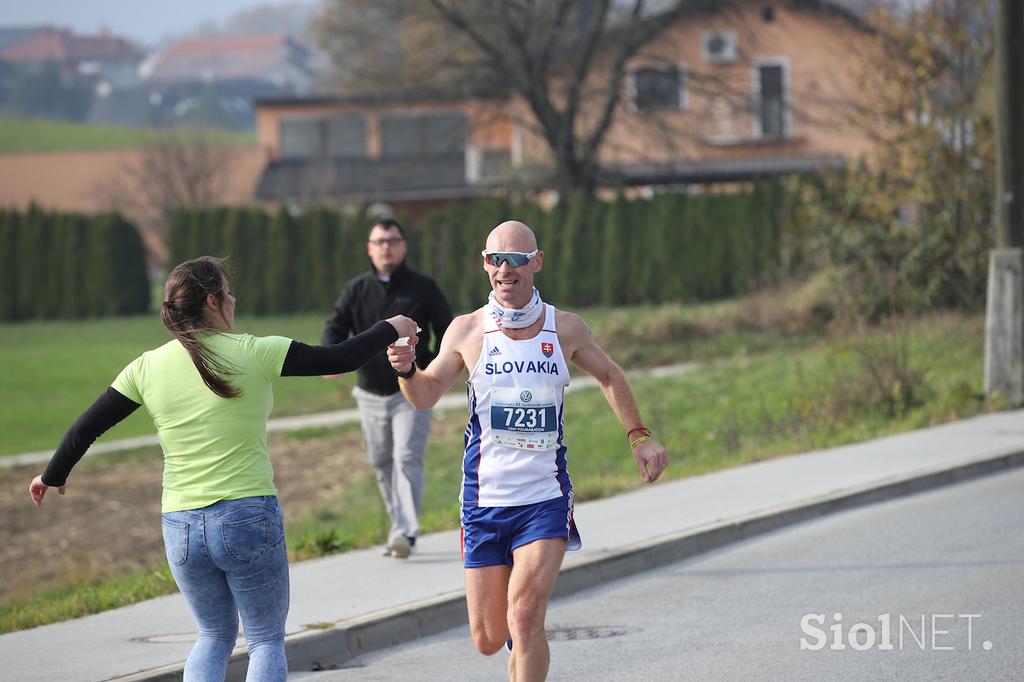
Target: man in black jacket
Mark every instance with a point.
(395, 431)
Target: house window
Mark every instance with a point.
(771, 89)
(300, 138)
(719, 47)
(346, 135)
(334, 136)
(659, 88)
(487, 164)
(495, 162)
(417, 134)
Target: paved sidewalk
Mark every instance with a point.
(351, 603)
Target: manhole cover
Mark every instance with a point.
(587, 632)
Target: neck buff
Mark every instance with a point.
(512, 318)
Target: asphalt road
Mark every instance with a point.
(953, 556)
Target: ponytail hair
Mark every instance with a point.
(184, 314)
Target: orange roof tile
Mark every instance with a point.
(61, 45)
(215, 45)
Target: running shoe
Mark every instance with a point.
(398, 548)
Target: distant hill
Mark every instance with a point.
(38, 135)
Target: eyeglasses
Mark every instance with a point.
(390, 241)
(515, 259)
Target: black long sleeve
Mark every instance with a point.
(303, 360)
(109, 409)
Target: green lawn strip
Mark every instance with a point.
(56, 369)
(353, 521)
(724, 414)
(75, 601)
(42, 135)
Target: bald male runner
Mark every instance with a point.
(516, 495)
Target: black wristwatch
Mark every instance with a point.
(406, 375)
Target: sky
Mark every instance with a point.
(145, 21)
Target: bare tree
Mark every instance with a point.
(568, 64)
(173, 170)
(293, 17)
(925, 101)
(397, 46)
(914, 224)
(564, 59)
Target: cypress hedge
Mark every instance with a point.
(70, 266)
(671, 247)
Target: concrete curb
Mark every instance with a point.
(341, 641)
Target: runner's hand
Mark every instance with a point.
(403, 325)
(37, 489)
(402, 357)
(651, 458)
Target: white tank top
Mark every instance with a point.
(515, 452)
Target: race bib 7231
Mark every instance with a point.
(524, 418)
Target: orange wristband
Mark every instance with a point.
(645, 431)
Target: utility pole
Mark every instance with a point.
(1004, 319)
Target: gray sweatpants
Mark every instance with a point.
(396, 437)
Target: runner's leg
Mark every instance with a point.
(487, 600)
(534, 572)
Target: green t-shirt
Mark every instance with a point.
(214, 448)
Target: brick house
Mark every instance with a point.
(413, 150)
(278, 60)
(758, 91)
(94, 58)
(208, 82)
(761, 90)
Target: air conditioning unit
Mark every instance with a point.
(719, 47)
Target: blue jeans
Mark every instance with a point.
(227, 558)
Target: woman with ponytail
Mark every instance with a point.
(209, 394)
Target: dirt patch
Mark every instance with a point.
(109, 521)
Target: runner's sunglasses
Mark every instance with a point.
(515, 259)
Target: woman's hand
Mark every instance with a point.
(403, 325)
(37, 489)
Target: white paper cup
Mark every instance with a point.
(404, 340)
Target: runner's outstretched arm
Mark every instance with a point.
(425, 387)
(650, 456)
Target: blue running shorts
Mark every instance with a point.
(490, 534)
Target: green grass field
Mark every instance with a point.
(56, 369)
(39, 135)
